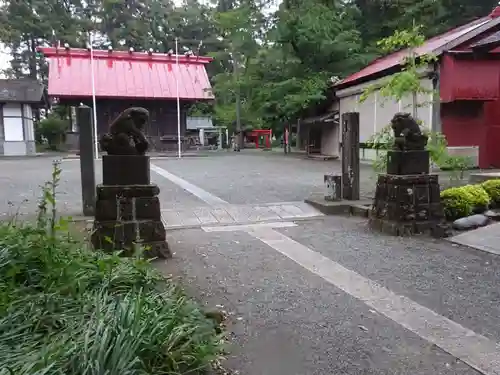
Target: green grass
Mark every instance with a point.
(66, 309)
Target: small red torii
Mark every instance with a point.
(256, 133)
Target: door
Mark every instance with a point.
(314, 146)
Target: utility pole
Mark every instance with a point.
(239, 133)
(413, 56)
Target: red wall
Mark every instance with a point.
(470, 109)
(466, 78)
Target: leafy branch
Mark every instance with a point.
(408, 81)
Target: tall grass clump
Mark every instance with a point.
(68, 310)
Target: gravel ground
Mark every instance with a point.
(286, 321)
(252, 178)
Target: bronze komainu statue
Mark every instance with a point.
(126, 135)
(407, 133)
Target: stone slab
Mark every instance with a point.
(128, 191)
(476, 178)
(143, 208)
(355, 208)
(237, 214)
(485, 239)
(126, 170)
(407, 162)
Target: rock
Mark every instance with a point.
(441, 230)
(493, 214)
(471, 222)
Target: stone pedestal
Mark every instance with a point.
(128, 209)
(408, 162)
(407, 204)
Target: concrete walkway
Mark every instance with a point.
(485, 239)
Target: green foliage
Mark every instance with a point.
(492, 187)
(407, 81)
(463, 201)
(68, 310)
(456, 203)
(52, 129)
(478, 197)
(284, 60)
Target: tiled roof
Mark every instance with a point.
(489, 40)
(21, 90)
(120, 74)
(432, 45)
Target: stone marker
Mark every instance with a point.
(407, 198)
(87, 169)
(350, 156)
(127, 207)
(333, 185)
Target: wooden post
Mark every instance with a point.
(350, 155)
(87, 168)
(297, 137)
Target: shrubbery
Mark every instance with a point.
(52, 130)
(456, 203)
(68, 310)
(463, 201)
(492, 187)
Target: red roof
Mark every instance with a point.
(432, 45)
(119, 74)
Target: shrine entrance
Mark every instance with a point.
(260, 136)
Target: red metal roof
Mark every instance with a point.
(122, 74)
(432, 45)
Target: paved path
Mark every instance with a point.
(310, 294)
(484, 239)
(231, 214)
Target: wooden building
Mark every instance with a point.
(19, 98)
(126, 78)
(463, 101)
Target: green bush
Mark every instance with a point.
(68, 310)
(478, 197)
(456, 204)
(492, 187)
(463, 201)
(53, 130)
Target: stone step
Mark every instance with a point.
(237, 214)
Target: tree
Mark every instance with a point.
(378, 19)
(408, 82)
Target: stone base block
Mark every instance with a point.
(127, 235)
(406, 205)
(128, 216)
(125, 208)
(105, 192)
(126, 170)
(408, 162)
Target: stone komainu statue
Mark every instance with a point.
(407, 133)
(126, 135)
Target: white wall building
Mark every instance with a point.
(17, 100)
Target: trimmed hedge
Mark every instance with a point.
(492, 187)
(465, 200)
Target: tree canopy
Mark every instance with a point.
(277, 60)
